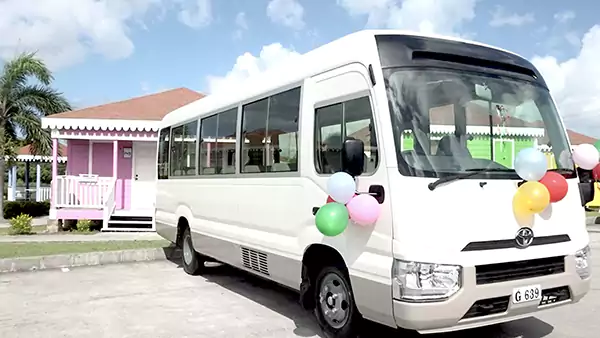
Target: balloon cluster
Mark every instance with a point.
(344, 204)
(543, 187)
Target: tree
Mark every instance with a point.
(25, 97)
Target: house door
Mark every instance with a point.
(504, 152)
(144, 176)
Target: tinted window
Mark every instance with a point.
(352, 119)
(270, 133)
(208, 162)
(227, 132)
(163, 154)
(183, 150)
(217, 150)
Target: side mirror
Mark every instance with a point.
(353, 157)
(587, 186)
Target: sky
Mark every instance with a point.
(108, 50)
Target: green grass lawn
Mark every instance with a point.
(32, 249)
(35, 229)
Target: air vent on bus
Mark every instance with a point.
(255, 260)
(469, 60)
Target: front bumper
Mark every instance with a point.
(480, 305)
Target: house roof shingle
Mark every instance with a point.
(149, 107)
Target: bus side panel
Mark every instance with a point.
(366, 250)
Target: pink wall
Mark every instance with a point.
(102, 158)
(77, 152)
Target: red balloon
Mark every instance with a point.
(557, 185)
(596, 172)
(329, 200)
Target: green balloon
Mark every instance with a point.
(332, 219)
(597, 144)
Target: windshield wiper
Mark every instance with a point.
(471, 172)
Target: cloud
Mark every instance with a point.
(575, 84)
(501, 18)
(564, 16)
(289, 13)
(241, 23)
(195, 13)
(65, 32)
(248, 65)
(426, 16)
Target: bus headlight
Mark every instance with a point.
(582, 262)
(424, 282)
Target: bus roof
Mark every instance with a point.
(342, 51)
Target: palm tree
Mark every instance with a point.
(25, 97)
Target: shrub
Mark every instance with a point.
(20, 225)
(84, 225)
(31, 208)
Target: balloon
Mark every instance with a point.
(596, 172)
(523, 216)
(556, 184)
(532, 196)
(586, 156)
(531, 164)
(332, 219)
(329, 199)
(565, 160)
(364, 209)
(597, 145)
(341, 187)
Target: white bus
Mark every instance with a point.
(241, 174)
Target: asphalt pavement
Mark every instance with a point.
(158, 300)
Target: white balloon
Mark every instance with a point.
(531, 164)
(586, 156)
(341, 187)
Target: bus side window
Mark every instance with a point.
(353, 119)
(163, 154)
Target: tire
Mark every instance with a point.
(332, 285)
(193, 262)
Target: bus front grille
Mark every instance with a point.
(504, 272)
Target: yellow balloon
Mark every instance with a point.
(532, 196)
(523, 215)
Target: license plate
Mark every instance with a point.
(527, 294)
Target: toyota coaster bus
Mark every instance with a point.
(428, 125)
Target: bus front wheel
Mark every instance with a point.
(193, 262)
(335, 309)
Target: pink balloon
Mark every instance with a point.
(586, 156)
(364, 209)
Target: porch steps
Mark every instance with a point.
(129, 223)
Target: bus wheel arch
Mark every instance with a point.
(319, 263)
(182, 225)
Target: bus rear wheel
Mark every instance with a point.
(335, 309)
(193, 262)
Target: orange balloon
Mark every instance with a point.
(532, 196)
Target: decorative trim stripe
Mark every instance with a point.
(485, 130)
(37, 158)
(100, 124)
(96, 135)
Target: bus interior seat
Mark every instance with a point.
(251, 169)
(280, 167)
(228, 170)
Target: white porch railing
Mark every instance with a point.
(83, 191)
(109, 205)
(21, 193)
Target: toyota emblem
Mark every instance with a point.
(524, 238)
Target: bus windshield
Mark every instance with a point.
(447, 122)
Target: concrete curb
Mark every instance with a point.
(20, 264)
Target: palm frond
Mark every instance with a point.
(34, 134)
(17, 72)
(43, 99)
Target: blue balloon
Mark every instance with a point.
(341, 187)
(531, 164)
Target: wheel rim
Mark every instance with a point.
(187, 252)
(334, 299)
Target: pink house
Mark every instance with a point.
(111, 170)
